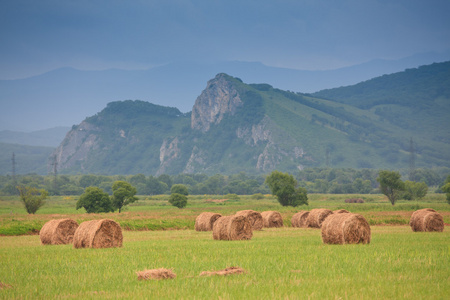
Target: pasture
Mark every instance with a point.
(282, 263)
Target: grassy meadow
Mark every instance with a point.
(284, 263)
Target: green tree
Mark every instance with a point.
(415, 190)
(284, 187)
(123, 194)
(178, 200)
(179, 189)
(446, 188)
(32, 198)
(391, 185)
(95, 200)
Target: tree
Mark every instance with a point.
(391, 185)
(284, 187)
(95, 200)
(179, 189)
(123, 194)
(415, 190)
(446, 188)
(178, 200)
(32, 198)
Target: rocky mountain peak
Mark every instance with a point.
(219, 98)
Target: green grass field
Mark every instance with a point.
(285, 263)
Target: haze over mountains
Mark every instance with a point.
(66, 96)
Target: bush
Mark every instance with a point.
(258, 196)
(178, 200)
(95, 200)
(32, 198)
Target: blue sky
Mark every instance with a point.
(39, 36)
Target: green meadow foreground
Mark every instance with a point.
(284, 263)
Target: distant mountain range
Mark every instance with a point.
(257, 128)
(66, 96)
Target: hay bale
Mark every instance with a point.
(205, 221)
(254, 217)
(225, 272)
(58, 232)
(272, 219)
(232, 228)
(299, 219)
(317, 216)
(426, 219)
(345, 229)
(341, 211)
(156, 274)
(103, 233)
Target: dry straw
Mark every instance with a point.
(317, 216)
(205, 221)
(341, 211)
(156, 274)
(272, 219)
(232, 228)
(345, 229)
(426, 219)
(299, 219)
(254, 217)
(58, 232)
(98, 234)
(227, 271)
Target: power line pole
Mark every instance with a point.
(14, 169)
(412, 160)
(55, 173)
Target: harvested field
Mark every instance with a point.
(225, 272)
(299, 219)
(345, 228)
(58, 232)
(156, 274)
(317, 216)
(255, 218)
(205, 221)
(103, 233)
(426, 219)
(272, 219)
(232, 228)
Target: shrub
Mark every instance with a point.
(178, 200)
(32, 198)
(95, 200)
(258, 196)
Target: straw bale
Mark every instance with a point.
(231, 228)
(299, 219)
(205, 221)
(345, 229)
(225, 272)
(254, 217)
(58, 232)
(156, 274)
(426, 219)
(103, 233)
(317, 216)
(272, 219)
(341, 211)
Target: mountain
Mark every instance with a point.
(65, 96)
(257, 128)
(43, 138)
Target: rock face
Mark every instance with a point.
(219, 98)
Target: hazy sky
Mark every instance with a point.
(38, 36)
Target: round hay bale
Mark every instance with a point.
(254, 217)
(317, 216)
(205, 221)
(58, 232)
(341, 211)
(272, 219)
(232, 228)
(299, 219)
(345, 229)
(98, 234)
(426, 219)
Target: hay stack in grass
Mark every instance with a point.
(205, 221)
(232, 228)
(272, 219)
(299, 219)
(254, 217)
(426, 219)
(98, 234)
(58, 232)
(341, 211)
(156, 274)
(345, 229)
(227, 271)
(317, 216)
